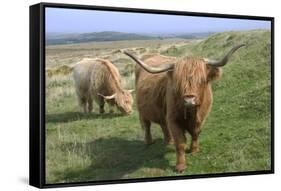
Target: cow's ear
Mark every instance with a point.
(214, 73)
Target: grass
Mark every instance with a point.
(236, 136)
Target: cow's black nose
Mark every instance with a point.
(189, 101)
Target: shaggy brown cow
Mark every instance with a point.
(176, 94)
(99, 80)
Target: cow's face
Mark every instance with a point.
(190, 79)
(124, 101)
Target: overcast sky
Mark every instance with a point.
(60, 20)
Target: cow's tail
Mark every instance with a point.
(60, 70)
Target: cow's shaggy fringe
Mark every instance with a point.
(188, 69)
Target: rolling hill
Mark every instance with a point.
(73, 38)
(94, 36)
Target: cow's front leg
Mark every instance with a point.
(111, 108)
(180, 143)
(194, 146)
(101, 104)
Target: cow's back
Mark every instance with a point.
(102, 79)
(92, 77)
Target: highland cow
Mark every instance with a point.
(176, 94)
(99, 80)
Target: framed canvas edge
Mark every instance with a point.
(39, 152)
(35, 106)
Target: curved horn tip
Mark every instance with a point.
(224, 60)
(121, 50)
(126, 52)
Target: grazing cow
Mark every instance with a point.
(99, 80)
(176, 94)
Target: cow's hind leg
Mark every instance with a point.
(83, 103)
(100, 101)
(168, 138)
(101, 104)
(111, 107)
(147, 133)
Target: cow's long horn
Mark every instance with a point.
(151, 69)
(107, 97)
(224, 60)
(130, 91)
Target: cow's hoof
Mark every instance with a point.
(180, 168)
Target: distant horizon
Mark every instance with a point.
(69, 21)
(175, 33)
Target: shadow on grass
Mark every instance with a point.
(76, 116)
(115, 158)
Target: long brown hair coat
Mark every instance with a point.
(159, 100)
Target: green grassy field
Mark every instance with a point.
(236, 136)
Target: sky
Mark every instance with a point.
(63, 20)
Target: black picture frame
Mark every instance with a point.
(37, 93)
